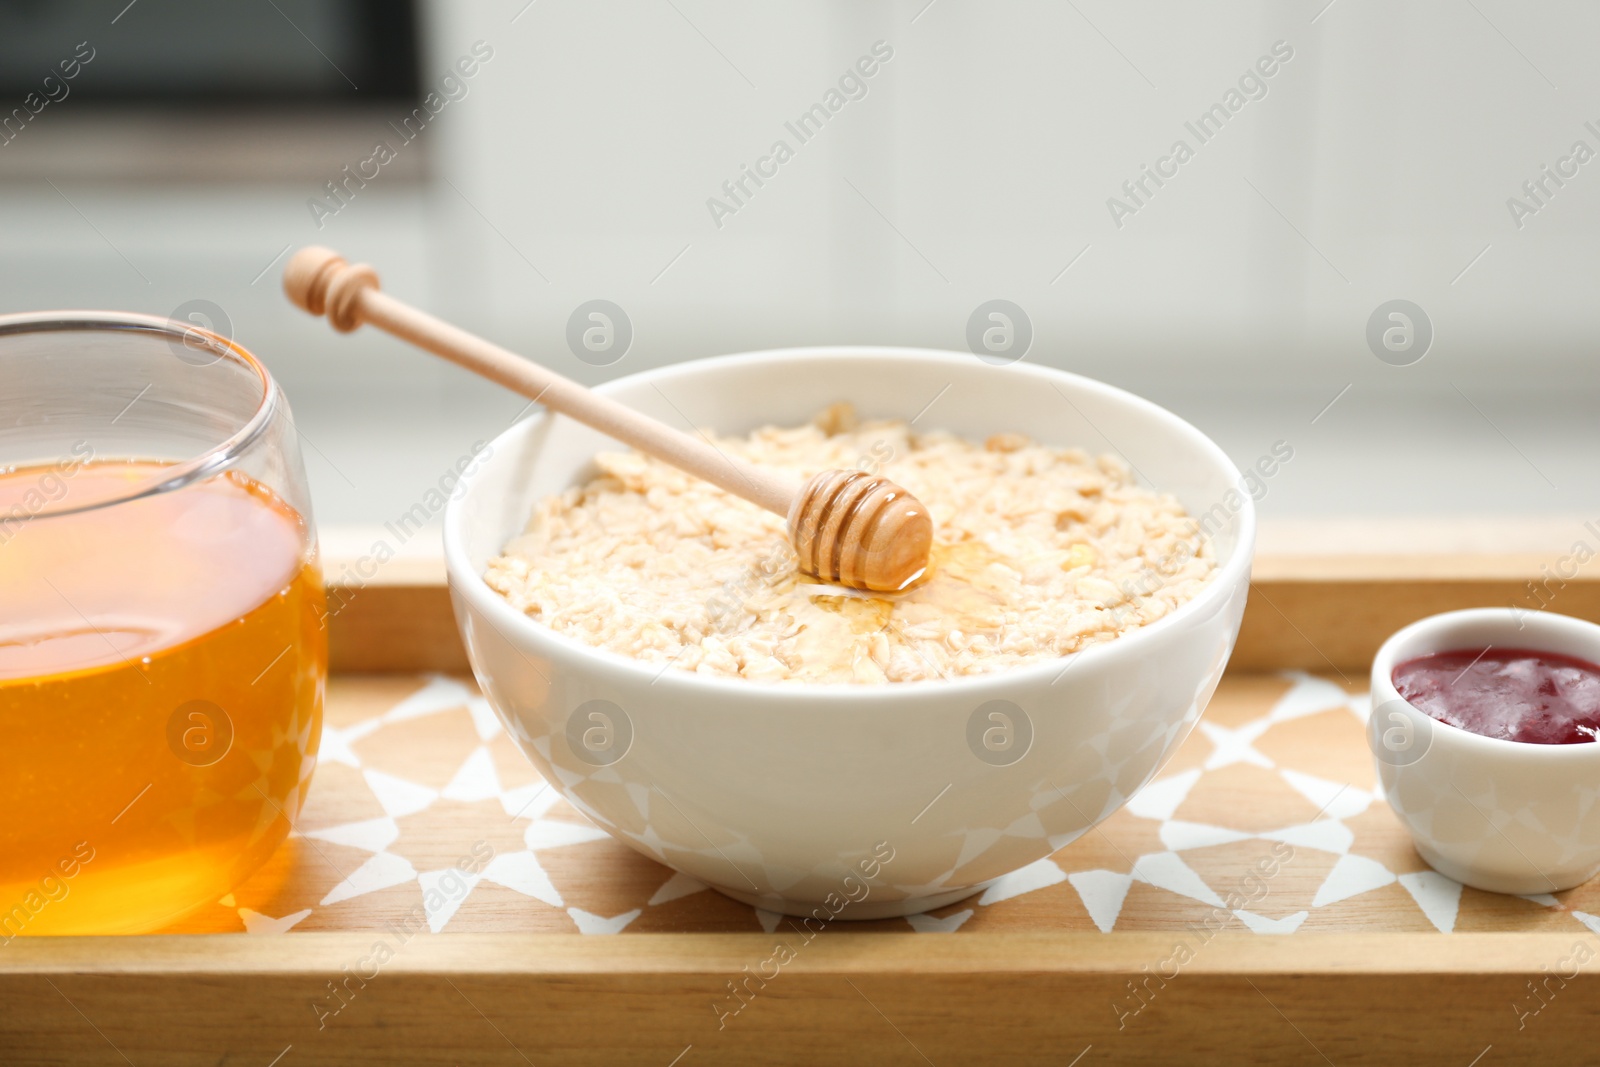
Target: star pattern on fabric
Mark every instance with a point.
(425, 814)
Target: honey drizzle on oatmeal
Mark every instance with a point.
(952, 588)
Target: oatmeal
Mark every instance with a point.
(1038, 552)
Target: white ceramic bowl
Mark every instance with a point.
(1505, 816)
(838, 800)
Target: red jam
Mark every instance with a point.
(1513, 694)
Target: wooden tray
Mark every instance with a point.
(1148, 940)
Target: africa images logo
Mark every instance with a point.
(1252, 85)
(852, 85)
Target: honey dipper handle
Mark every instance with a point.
(320, 281)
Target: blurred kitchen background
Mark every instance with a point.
(569, 151)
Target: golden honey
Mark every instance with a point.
(161, 674)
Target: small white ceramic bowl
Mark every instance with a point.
(1505, 816)
(837, 800)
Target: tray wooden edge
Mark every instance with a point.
(897, 955)
(652, 999)
(1312, 613)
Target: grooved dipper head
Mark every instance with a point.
(861, 531)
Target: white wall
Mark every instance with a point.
(978, 165)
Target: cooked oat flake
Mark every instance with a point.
(1039, 552)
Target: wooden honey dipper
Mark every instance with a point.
(846, 526)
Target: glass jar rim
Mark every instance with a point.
(214, 460)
